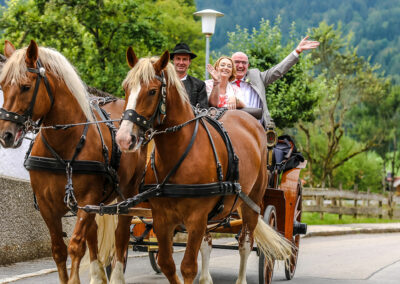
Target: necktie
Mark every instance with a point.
(237, 83)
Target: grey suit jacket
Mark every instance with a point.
(260, 80)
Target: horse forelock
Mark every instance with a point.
(143, 73)
(15, 70)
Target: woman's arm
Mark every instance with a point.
(213, 99)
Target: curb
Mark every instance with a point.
(352, 231)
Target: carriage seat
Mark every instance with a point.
(285, 156)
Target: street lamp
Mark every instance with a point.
(208, 19)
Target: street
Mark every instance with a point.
(346, 259)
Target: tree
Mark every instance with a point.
(347, 83)
(94, 34)
(290, 98)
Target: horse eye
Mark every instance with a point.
(152, 92)
(25, 88)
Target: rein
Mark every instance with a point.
(220, 188)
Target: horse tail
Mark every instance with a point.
(106, 226)
(272, 244)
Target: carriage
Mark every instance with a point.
(282, 210)
(182, 184)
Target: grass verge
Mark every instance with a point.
(331, 219)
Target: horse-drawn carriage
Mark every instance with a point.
(282, 211)
(199, 175)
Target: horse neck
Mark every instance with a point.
(178, 112)
(66, 110)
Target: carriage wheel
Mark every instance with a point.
(266, 271)
(110, 267)
(290, 265)
(153, 255)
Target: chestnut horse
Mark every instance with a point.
(46, 78)
(162, 105)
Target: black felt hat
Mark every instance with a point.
(182, 48)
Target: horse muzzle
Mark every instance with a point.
(12, 137)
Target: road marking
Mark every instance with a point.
(52, 270)
(27, 275)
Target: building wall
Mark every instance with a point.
(23, 233)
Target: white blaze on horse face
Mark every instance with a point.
(124, 138)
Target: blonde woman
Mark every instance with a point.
(219, 90)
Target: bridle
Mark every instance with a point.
(26, 118)
(161, 109)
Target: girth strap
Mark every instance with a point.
(51, 164)
(197, 190)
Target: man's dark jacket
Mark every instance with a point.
(196, 89)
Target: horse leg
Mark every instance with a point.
(97, 274)
(246, 238)
(77, 244)
(196, 231)
(165, 232)
(205, 251)
(58, 247)
(121, 246)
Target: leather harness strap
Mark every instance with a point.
(26, 117)
(108, 168)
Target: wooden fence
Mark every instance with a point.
(351, 202)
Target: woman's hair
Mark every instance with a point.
(216, 64)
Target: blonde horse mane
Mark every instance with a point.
(144, 72)
(14, 71)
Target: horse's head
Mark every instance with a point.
(145, 90)
(27, 82)
(25, 98)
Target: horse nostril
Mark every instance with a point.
(8, 137)
(133, 142)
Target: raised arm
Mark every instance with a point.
(306, 44)
(213, 100)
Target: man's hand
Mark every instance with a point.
(216, 76)
(306, 44)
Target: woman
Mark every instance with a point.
(221, 93)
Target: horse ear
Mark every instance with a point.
(32, 54)
(131, 57)
(8, 49)
(162, 62)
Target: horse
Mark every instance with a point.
(40, 84)
(158, 108)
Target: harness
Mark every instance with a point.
(57, 164)
(26, 118)
(224, 187)
(108, 168)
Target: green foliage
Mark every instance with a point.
(346, 83)
(94, 34)
(291, 98)
(373, 23)
(364, 169)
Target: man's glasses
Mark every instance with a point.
(241, 62)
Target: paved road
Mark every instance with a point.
(346, 259)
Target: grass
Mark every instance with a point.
(331, 219)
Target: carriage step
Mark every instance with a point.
(299, 228)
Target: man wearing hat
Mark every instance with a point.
(195, 88)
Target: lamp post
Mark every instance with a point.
(208, 19)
